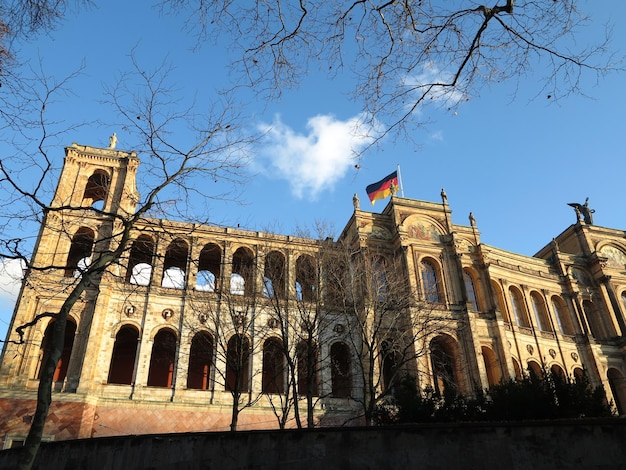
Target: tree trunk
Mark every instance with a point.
(44, 391)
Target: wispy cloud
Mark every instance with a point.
(318, 159)
(433, 75)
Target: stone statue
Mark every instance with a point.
(356, 202)
(472, 220)
(112, 141)
(583, 210)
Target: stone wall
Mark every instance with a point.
(571, 444)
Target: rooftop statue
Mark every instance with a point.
(583, 210)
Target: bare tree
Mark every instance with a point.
(299, 315)
(230, 317)
(387, 325)
(403, 55)
(145, 101)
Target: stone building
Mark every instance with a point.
(152, 346)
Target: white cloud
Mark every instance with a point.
(437, 135)
(10, 280)
(314, 161)
(433, 75)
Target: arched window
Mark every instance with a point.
(500, 302)
(161, 372)
(78, 258)
(518, 369)
(491, 366)
(600, 327)
(96, 189)
(238, 364)
(519, 310)
(307, 357)
(273, 367)
(557, 371)
(579, 374)
(123, 357)
(562, 316)
(617, 383)
(539, 310)
(242, 278)
(471, 290)
(390, 365)
(209, 268)
(341, 375)
(444, 363)
(274, 275)
(200, 361)
(380, 282)
(534, 369)
(430, 282)
(46, 348)
(175, 264)
(140, 261)
(306, 278)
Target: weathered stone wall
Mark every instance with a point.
(579, 444)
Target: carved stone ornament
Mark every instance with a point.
(167, 314)
(339, 328)
(530, 349)
(202, 318)
(272, 323)
(552, 353)
(575, 357)
(129, 310)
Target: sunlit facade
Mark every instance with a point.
(141, 357)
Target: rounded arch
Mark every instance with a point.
(96, 188)
(390, 360)
(175, 264)
(500, 302)
(60, 372)
(557, 371)
(200, 361)
(423, 228)
(578, 373)
(600, 326)
(519, 308)
(122, 364)
(431, 280)
(242, 277)
(616, 256)
(494, 375)
(563, 318)
(274, 377)
(162, 359)
(341, 370)
(274, 275)
(209, 268)
(517, 369)
(79, 254)
(617, 383)
(444, 360)
(534, 369)
(540, 312)
(238, 363)
(307, 357)
(472, 290)
(306, 277)
(139, 269)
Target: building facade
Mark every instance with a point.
(155, 343)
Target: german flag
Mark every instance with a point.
(386, 187)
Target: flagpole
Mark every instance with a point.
(400, 181)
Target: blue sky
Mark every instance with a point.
(511, 157)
